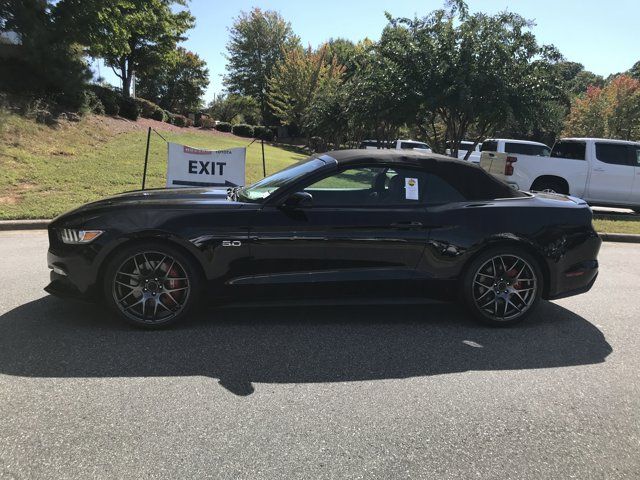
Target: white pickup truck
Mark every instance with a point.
(396, 145)
(601, 171)
(504, 145)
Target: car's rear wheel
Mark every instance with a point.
(151, 285)
(502, 286)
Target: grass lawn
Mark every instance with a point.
(46, 171)
(617, 226)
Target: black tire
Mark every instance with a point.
(481, 269)
(550, 186)
(171, 286)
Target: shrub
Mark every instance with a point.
(158, 114)
(149, 109)
(109, 97)
(92, 103)
(207, 123)
(168, 116)
(242, 130)
(129, 109)
(189, 122)
(180, 120)
(223, 127)
(263, 133)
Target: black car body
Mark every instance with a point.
(383, 222)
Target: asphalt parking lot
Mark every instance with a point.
(319, 390)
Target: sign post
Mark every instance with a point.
(195, 167)
(146, 158)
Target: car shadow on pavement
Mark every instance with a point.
(290, 343)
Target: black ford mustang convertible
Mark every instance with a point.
(351, 222)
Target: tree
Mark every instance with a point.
(236, 109)
(470, 72)
(295, 81)
(178, 83)
(612, 111)
(130, 35)
(48, 64)
(576, 79)
(635, 71)
(258, 41)
(379, 100)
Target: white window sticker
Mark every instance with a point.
(411, 188)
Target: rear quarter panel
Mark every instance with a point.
(551, 230)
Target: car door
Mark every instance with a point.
(635, 160)
(612, 173)
(366, 223)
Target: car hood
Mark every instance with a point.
(161, 197)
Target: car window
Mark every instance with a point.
(380, 186)
(570, 150)
(636, 155)
(489, 146)
(439, 191)
(260, 190)
(527, 149)
(614, 153)
(410, 145)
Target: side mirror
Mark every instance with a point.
(298, 200)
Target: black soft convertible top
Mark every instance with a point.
(469, 179)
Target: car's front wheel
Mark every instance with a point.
(151, 285)
(502, 286)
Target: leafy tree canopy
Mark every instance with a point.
(178, 83)
(258, 41)
(234, 108)
(475, 72)
(130, 35)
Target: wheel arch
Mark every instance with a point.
(552, 178)
(142, 238)
(514, 242)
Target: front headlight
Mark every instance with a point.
(75, 236)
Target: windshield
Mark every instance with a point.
(265, 187)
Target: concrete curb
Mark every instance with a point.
(42, 225)
(23, 224)
(620, 237)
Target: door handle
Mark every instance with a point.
(598, 169)
(406, 225)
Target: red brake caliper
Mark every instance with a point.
(172, 284)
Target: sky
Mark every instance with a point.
(602, 35)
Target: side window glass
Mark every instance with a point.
(570, 150)
(489, 147)
(383, 186)
(635, 155)
(370, 186)
(440, 191)
(617, 154)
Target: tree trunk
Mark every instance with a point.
(126, 78)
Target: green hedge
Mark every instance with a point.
(149, 109)
(242, 130)
(223, 127)
(109, 98)
(129, 109)
(180, 120)
(263, 133)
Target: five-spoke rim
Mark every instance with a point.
(151, 287)
(504, 287)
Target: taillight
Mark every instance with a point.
(508, 166)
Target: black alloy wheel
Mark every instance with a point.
(502, 286)
(151, 285)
